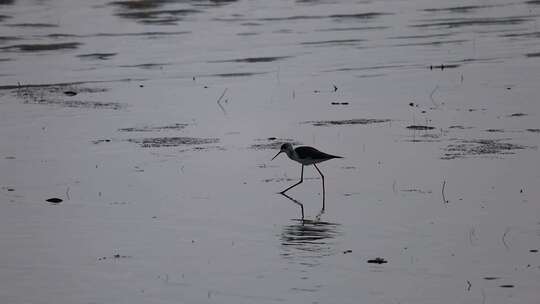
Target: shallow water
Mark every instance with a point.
(155, 123)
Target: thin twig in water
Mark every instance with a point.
(67, 193)
(442, 191)
(219, 99)
(504, 237)
(469, 285)
(431, 96)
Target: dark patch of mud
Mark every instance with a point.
(34, 25)
(465, 22)
(422, 36)
(420, 127)
(531, 55)
(159, 142)
(336, 42)
(146, 66)
(144, 34)
(56, 95)
(237, 74)
(459, 9)
(97, 56)
(432, 43)
(273, 143)
(459, 127)
(356, 28)
(370, 68)
(146, 12)
(425, 138)
(5, 39)
(42, 47)
(145, 128)
(357, 16)
(358, 121)
(481, 148)
(252, 59)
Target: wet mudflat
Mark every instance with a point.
(136, 139)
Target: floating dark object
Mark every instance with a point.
(411, 104)
(347, 251)
(54, 200)
(507, 286)
(517, 115)
(533, 250)
(272, 138)
(491, 278)
(377, 261)
(70, 93)
(359, 121)
(344, 103)
(335, 88)
(420, 127)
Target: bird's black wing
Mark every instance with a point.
(310, 152)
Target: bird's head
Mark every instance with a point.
(286, 147)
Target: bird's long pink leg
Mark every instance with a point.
(323, 192)
(301, 180)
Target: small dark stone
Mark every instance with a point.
(70, 93)
(411, 104)
(141, 86)
(377, 260)
(54, 200)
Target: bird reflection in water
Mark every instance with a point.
(308, 240)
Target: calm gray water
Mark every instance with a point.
(155, 123)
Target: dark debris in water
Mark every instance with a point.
(158, 142)
(253, 59)
(377, 260)
(358, 121)
(97, 56)
(534, 130)
(420, 127)
(61, 95)
(481, 147)
(146, 128)
(517, 115)
(491, 278)
(42, 47)
(507, 286)
(54, 200)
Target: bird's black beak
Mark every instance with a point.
(276, 155)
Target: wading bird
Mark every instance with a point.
(305, 156)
